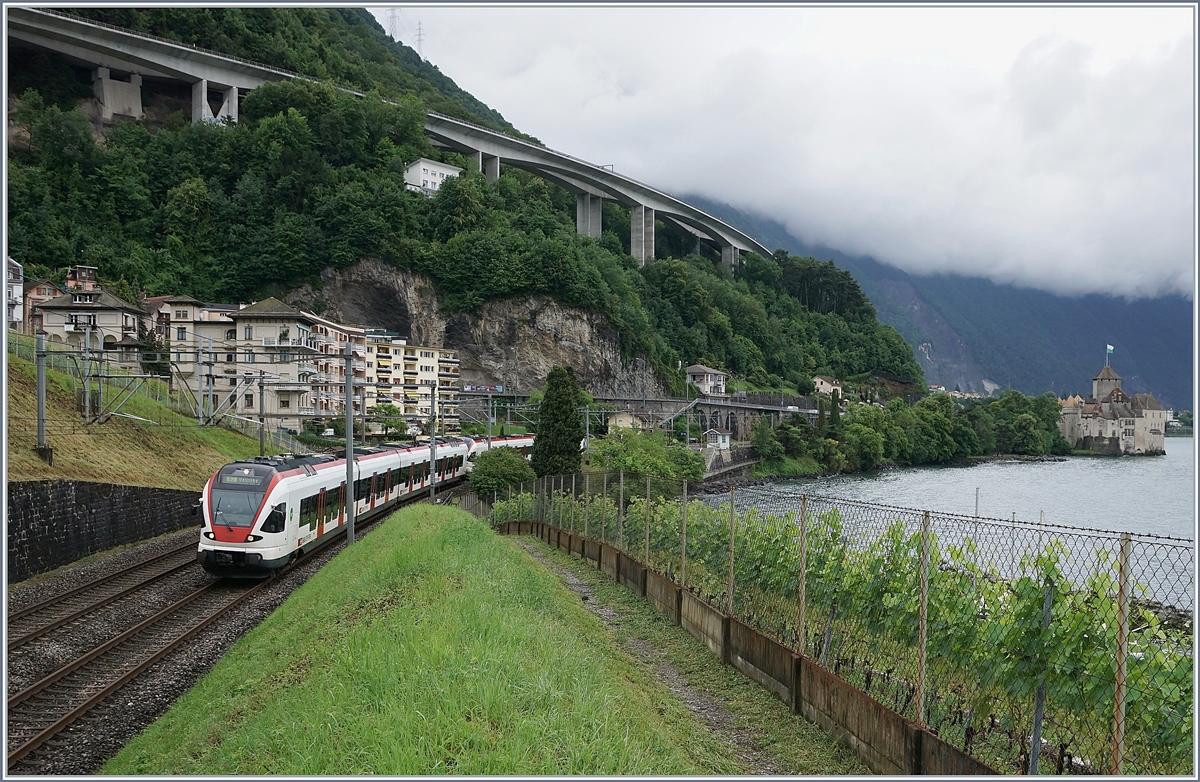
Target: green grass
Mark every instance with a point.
(172, 453)
(787, 467)
(431, 647)
(795, 745)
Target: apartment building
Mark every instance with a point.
(14, 295)
(422, 368)
(96, 318)
(427, 176)
(221, 352)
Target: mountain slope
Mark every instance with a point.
(967, 329)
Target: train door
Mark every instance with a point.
(412, 468)
(321, 510)
(374, 484)
(387, 486)
(341, 514)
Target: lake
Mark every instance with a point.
(1146, 494)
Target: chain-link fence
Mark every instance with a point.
(998, 636)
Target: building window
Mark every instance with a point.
(284, 403)
(181, 334)
(249, 402)
(233, 381)
(228, 358)
(248, 357)
(248, 333)
(181, 315)
(231, 334)
(370, 364)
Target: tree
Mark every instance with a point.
(764, 442)
(497, 469)
(835, 411)
(390, 417)
(560, 426)
(1026, 438)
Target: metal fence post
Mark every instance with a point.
(647, 521)
(40, 355)
(683, 540)
(621, 513)
(604, 511)
(732, 526)
(1118, 756)
(803, 575)
(574, 503)
(922, 619)
(508, 506)
(587, 506)
(1039, 701)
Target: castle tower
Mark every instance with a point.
(1105, 383)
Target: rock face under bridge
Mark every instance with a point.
(511, 342)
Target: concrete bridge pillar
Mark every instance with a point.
(730, 256)
(588, 213)
(491, 167)
(229, 104)
(641, 230)
(201, 111)
(117, 97)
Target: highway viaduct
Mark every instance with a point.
(122, 59)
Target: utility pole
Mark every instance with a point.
(209, 381)
(491, 417)
(349, 443)
(432, 442)
(43, 450)
(262, 421)
(199, 383)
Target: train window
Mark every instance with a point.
(277, 519)
(308, 511)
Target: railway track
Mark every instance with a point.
(37, 714)
(35, 621)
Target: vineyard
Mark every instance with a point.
(998, 636)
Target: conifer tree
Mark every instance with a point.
(835, 412)
(560, 426)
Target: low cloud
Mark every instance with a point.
(1060, 163)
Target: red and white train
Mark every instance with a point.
(260, 513)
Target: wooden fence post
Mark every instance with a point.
(732, 527)
(574, 503)
(587, 492)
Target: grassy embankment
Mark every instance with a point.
(173, 453)
(437, 647)
(787, 467)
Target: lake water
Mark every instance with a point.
(1151, 495)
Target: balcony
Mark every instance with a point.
(444, 360)
(306, 367)
(294, 342)
(451, 375)
(291, 385)
(306, 410)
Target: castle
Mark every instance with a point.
(1112, 422)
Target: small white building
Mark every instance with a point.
(824, 384)
(427, 176)
(709, 381)
(718, 438)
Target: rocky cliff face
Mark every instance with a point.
(511, 342)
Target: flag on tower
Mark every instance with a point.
(1109, 349)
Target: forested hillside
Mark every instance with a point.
(311, 177)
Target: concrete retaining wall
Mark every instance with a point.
(54, 523)
(883, 739)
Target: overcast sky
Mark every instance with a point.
(1047, 147)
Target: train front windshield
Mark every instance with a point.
(238, 496)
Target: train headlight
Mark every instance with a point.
(253, 538)
(208, 534)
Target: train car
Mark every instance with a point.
(258, 514)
